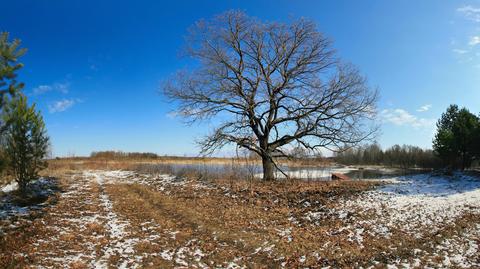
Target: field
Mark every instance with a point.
(92, 215)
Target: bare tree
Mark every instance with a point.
(271, 84)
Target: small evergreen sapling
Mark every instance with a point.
(26, 141)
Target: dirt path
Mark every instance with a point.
(83, 231)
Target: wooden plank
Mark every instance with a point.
(339, 176)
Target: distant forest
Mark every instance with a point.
(122, 155)
(405, 156)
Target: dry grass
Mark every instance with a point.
(251, 223)
(81, 163)
(223, 226)
(237, 227)
(229, 228)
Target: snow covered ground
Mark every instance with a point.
(418, 205)
(421, 206)
(417, 201)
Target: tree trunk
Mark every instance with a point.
(268, 169)
(22, 185)
(464, 161)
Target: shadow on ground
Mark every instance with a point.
(39, 194)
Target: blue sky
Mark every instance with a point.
(94, 67)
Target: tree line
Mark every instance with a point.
(24, 142)
(111, 154)
(456, 146)
(405, 156)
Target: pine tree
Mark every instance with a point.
(26, 141)
(455, 140)
(10, 51)
(443, 143)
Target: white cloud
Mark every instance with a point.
(424, 108)
(182, 113)
(470, 12)
(401, 117)
(172, 114)
(460, 51)
(60, 87)
(466, 52)
(42, 89)
(62, 105)
(474, 40)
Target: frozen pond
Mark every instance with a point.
(297, 172)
